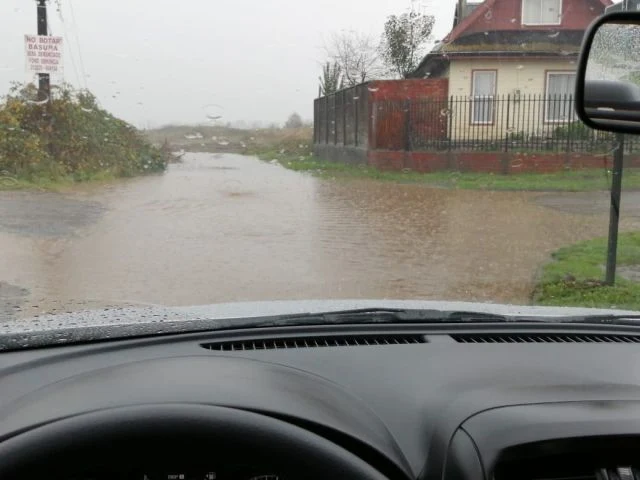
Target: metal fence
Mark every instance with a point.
(342, 118)
(517, 123)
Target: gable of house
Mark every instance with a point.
(513, 29)
(519, 15)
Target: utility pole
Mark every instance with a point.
(614, 207)
(44, 83)
(614, 211)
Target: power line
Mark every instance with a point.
(75, 31)
(66, 41)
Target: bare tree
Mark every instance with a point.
(331, 79)
(357, 55)
(404, 41)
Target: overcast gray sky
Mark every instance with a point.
(164, 61)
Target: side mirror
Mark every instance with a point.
(608, 78)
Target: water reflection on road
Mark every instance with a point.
(230, 228)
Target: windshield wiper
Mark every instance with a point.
(398, 315)
(383, 315)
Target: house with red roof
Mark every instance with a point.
(515, 48)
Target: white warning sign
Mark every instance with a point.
(43, 54)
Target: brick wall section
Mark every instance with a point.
(387, 127)
(411, 89)
(491, 162)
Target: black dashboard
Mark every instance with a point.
(499, 402)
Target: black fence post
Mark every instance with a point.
(450, 122)
(570, 125)
(326, 120)
(356, 123)
(315, 121)
(344, 117)
(506, 135)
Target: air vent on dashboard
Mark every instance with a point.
(544, 338)
(316, 342)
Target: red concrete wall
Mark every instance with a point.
(507, 15)
(388, 114)
(491, 162)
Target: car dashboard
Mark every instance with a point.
(503, 402)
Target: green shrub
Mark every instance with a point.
(70, 136)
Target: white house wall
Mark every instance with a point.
(524, 77)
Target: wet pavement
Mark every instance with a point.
(221, 228)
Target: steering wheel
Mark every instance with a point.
(158, 436)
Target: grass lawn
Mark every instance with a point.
(52, 182)
(574, 276)
(572, 181)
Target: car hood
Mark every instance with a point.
(93, 325)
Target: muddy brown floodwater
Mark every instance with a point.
(220, 228)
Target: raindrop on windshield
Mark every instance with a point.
(84, 109)
(488, 15)
(513, 20)
(554, 35)
(36, 102)
(213, 111)
(371, 89)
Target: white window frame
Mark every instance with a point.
(490, 97)
(522, 22)
(573, 116)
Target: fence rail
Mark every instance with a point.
(517, 123)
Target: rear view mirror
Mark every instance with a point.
(608, 77)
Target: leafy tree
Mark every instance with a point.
(404, 41)
(357, 56)
(331, 79)
(294, 121)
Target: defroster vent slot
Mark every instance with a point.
(315, 342)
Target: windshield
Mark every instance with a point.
(191, 153)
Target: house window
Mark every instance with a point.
(559, 102)
(483, 91)
(541, 12)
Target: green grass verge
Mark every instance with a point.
(51, 182)
(574, 276)
(572, 181)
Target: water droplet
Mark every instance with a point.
(86, 109)
(553, 35)
(371, 89)
(488, 15)
(513, 20)
(486, 33)
(519, 67)
(37, 102)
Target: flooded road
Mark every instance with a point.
(220, 228)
